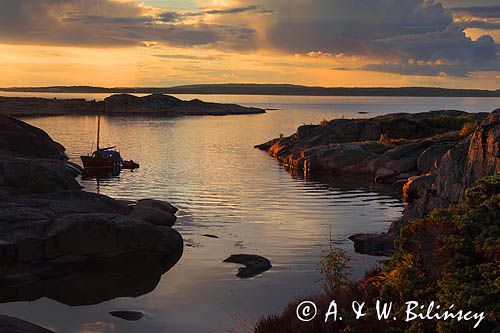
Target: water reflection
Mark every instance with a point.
(208, 168)
(129, 275)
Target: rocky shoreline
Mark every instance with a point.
(432, 156)
(119, 104)
(54, 235)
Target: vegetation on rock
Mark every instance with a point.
(450, 257)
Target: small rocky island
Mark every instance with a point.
(120, 104)
(61, 242)
(432, 156)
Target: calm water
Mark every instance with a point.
(207, 166)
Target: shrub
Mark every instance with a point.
(452, 257)
(335, 269)
(467, 129)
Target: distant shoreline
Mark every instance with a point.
(267, 89)
(120, 104)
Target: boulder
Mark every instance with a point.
(37, 175)
(153, 215)
(254, 264)
(159, 204)
(18, 138)
(374, 244)
(430, 159)
(338, 157)
(384, 175)
(102, 234)
(127, 315)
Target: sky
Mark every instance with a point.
(349, 43)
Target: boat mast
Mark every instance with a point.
(98, 130)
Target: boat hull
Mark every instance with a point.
(92, 162)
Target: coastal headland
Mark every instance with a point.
(433, 157)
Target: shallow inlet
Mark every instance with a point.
(208, 168)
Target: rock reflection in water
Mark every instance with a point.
(128, 275)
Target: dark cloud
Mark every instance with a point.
(402, 31)
(414, 36)
(479, 11)
(349, 26)
(481, 17)
(108, 23)
(171, 16)
(427, 70)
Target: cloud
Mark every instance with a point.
(400, 31)
(109, 23)
(479, 11)
(172, 16)
(422, 69)
(480, 17)
(409, 36)
(187, 57)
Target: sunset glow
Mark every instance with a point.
(174, 42)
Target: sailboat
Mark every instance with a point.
(105, 159)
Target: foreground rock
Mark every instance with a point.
(20, 139)
(471, 159)
(254, 264)
(119, 104)
(475, 157)
(53, 235)
(14, 325)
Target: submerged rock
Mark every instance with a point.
(254, 264)
(210, 236)
(127, 315)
